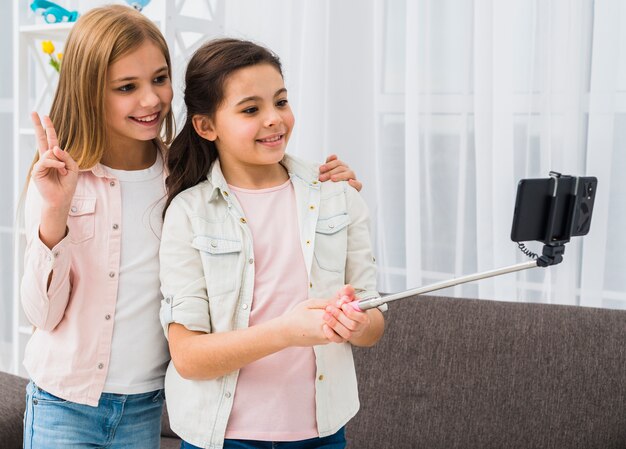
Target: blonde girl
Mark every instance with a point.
(249, 236)
(93, 208)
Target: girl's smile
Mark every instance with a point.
(252, 126)
(272, 141)
(148, 120)
(137, 99)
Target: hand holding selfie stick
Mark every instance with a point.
(548, 210)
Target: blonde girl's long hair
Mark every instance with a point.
(98, 39)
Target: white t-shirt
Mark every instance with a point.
(139, 353)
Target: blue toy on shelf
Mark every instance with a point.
(138, 4)
(53, 13)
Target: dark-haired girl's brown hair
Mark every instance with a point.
(190, 156)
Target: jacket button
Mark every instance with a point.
(111, 274)
(112, 183)
(227, 394)
(244, 307)
(107, 317)
(321, 377)
(100, 365)
(243, 220)
(115, 226)
(74, 209)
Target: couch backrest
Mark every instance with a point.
(459, 373)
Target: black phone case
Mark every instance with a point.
(534, 203)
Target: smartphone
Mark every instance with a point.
(552, 210)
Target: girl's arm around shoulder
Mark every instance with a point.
(335, 170)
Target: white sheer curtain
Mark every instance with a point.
(495, 92)
(441, 106)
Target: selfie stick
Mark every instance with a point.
(552, 255)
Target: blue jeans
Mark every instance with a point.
(119, 421)
(336, 441)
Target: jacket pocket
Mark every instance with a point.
(331, 242)
(81, 220)
(220, 260)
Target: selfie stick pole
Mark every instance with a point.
(552, 255)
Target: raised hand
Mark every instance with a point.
(55, 173)
(336, 170)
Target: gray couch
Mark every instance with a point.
(458, 373)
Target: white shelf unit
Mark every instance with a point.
(185, 24)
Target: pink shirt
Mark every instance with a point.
(275, 396)
(69, 351)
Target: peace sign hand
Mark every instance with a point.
(55, 174)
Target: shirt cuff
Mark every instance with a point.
(55, 260)
(191, 312)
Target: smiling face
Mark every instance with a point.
(138, 96)
(252, 126)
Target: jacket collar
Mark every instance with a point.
(295, 167)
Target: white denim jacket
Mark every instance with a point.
(207, 279)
